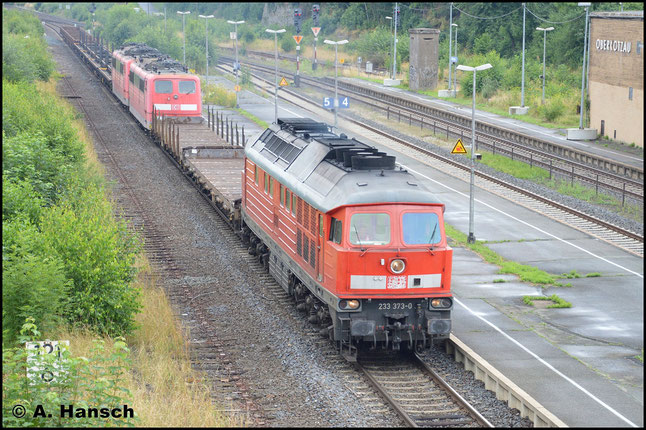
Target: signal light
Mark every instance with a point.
(315, 14)
(298, 15)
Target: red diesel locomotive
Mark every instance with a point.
(359, 243)
(143, 78)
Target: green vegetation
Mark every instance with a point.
(524, 272)
(218, 95)
(24, 52)
(558, 302)
(59, 234)
(253, 118)
(72, 271)
(96, 380)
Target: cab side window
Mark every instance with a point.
(336, 230)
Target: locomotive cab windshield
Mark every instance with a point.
(412, 228)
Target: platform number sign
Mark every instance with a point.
(329, 102)
(45, 361)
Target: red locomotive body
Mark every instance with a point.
(150, 81)
(120, 72)
(358, 243)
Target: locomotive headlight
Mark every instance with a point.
(397, 266)
(349, 304)
(443, 303)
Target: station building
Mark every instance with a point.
(616, 75)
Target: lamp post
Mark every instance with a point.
(472, 238)
(275, 32)
(160, 14)
(206, 39)
(236, 66)
(522, 82)
(396, 14)
(544, 30)
(336, 75)
(450, 42)
(455, 74)
(585, 45)
(183, 33)
(391, 29)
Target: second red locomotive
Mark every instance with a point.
(145, 79)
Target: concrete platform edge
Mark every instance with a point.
(505, 389)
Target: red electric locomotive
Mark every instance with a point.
(143, 78)
(359, 243)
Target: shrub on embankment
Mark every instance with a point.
(65, 256)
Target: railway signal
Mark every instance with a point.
(315, 18)
(298, 16)
(315, 14)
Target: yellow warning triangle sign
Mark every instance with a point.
(283, 82)
(459, 148)
(298, 39)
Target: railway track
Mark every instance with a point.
(418, 394)
(495, 140)
(208, 352)
(625, 239)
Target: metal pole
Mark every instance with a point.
(585, 45)
(544, 38)
(237, 64)
(394, 51)
(276, 76)
(206, 38)
(522, 84)
(455, 72)
(336, 94)
(450, 42)
(183, 31)
(472, 238)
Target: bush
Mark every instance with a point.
(375, 46)
(24, 52)
(248, 36)
(489, 87)
(20, 200)
(98, 254)
(552, 109)
(32, 285)
(288, 44)
(28, 158)
(217, 95)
